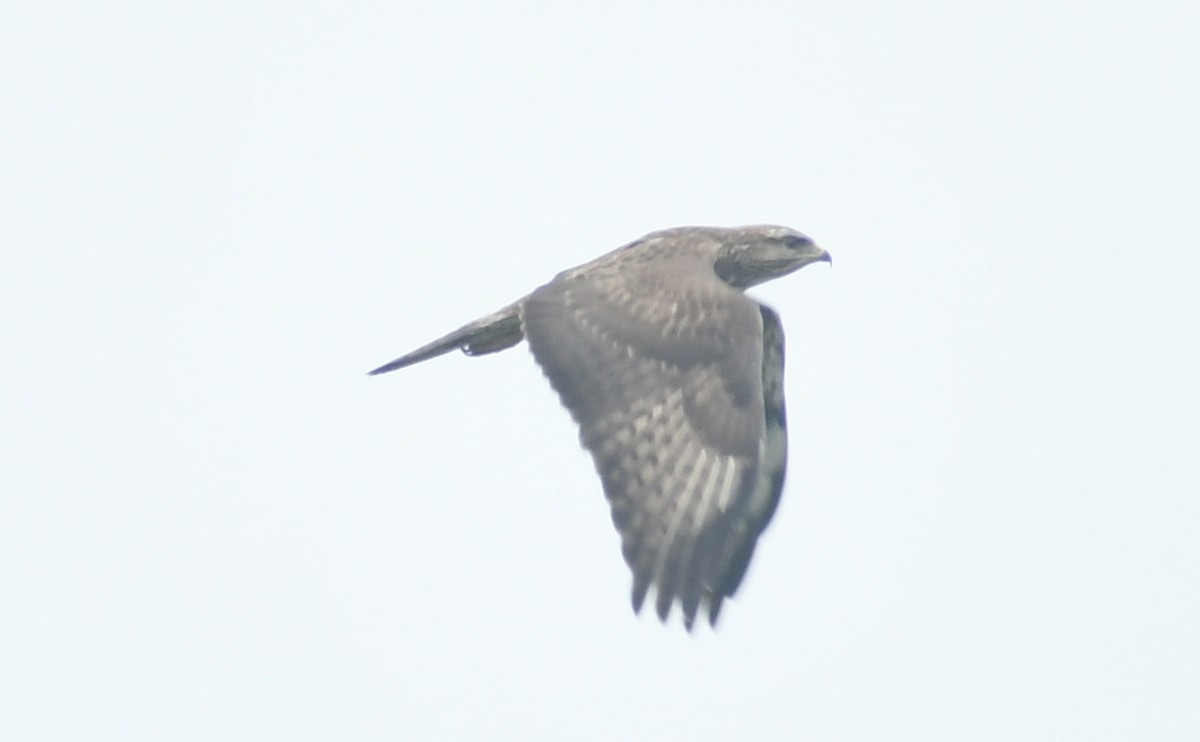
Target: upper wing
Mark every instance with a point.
(663, 369)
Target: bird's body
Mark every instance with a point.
(675, 378)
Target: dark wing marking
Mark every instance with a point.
(735, 536)
(663, 370)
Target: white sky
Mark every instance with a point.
(216, 218)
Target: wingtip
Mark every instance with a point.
(390, 366)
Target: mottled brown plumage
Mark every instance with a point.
(675, 379)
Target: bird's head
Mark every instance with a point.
(751, 255)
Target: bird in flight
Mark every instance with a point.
(675, 378)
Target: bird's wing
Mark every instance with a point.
(490, 334)
(664, 369)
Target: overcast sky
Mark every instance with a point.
(215, 218)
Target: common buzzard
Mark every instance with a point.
(675, 378)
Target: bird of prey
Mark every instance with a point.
(675, 378)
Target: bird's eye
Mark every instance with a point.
(796, 241)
